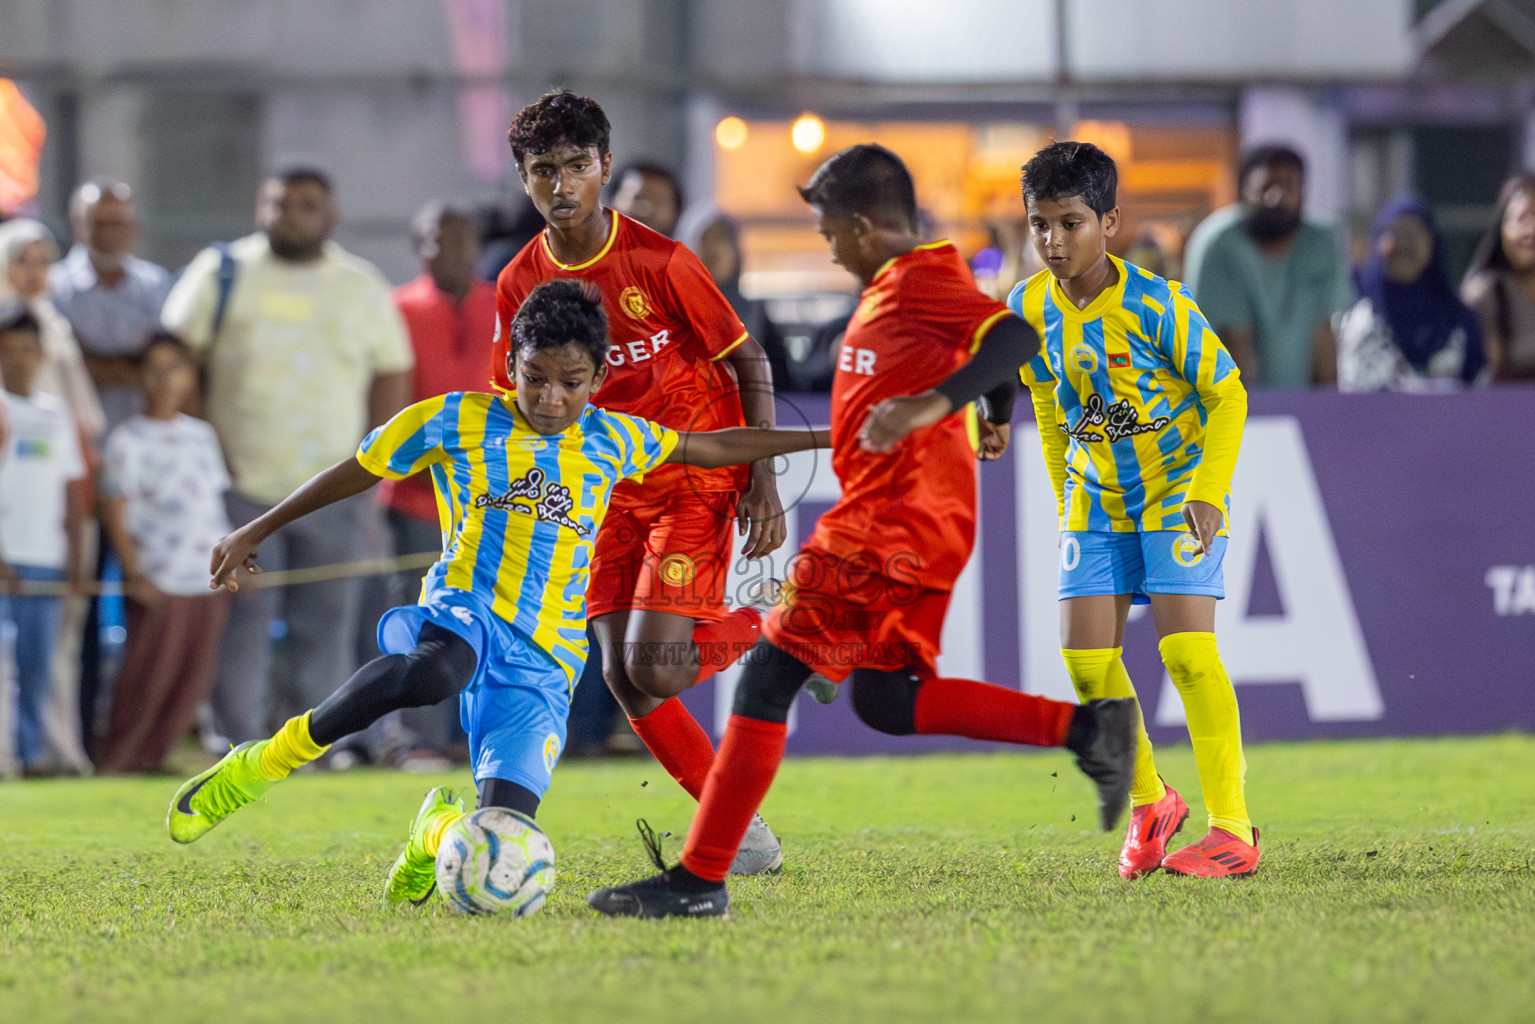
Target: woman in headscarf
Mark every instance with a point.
(1500, 283)
(27, 250)
(1408, 331)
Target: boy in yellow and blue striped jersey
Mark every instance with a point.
(523, 483)
(1140, 412)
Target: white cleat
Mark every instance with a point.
(761, 852)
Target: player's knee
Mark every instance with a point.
(442, 664)
(661, 679)
(886, 701)
(770, 682)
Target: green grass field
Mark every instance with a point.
(1396, 886)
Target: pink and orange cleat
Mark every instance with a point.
(1218, 855)
(1151, 826)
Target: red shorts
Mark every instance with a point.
(673, 556)
(837, 614)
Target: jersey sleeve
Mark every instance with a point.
(408, 443)
(1199, 357)
(694, 296)
(509, 296)
(115, 465)
(645, 444)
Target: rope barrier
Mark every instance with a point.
(258, 580)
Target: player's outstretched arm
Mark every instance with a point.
(711, 449)
(1003, 350)
(340, 481)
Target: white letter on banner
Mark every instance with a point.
(1317, 641)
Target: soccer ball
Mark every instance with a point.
(495, 860)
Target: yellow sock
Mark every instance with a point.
(1215, 727)
(1101, 673)
(291, 747)
(1146, 787)
(432, 840)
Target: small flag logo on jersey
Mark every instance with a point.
(1118, 359)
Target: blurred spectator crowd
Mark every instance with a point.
(144, 413)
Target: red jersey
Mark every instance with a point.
(451, 355)
(669, 327)
(911, 509)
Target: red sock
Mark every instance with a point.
(721, 643)
(743, 772)
(985, 711)
(676, 739)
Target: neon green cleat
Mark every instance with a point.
(413, 878)
(207, 799)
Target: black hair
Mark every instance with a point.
(655, 170)
(865, 179)
(1065, 169)
(20, 319)
(428, 220)
(1271, 155)
(555, 118)
(164, 339)
(564, 311)
(299, 173)
(1489, 254)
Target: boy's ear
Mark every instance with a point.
(600, 376)
(607, 167)
(1111, 223)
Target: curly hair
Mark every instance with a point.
(564, 311)
(1065, 169)
(556, 118)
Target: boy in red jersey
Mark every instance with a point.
(681, 357)
(868, 592)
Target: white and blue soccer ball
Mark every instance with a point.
(495, 861)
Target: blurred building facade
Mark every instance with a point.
(404, 100)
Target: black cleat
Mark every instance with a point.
(1103, 736)
(662, 895)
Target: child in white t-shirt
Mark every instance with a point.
(42, 497)
(163, 509)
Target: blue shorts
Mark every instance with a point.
(515, 707)
(1162, 562)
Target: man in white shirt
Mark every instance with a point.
(304, 352)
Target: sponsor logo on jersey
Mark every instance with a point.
(533, 495)
(634, 302)
(1119, 421)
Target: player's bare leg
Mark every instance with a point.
(1186, 625)
(1092, 635)
(636, 643)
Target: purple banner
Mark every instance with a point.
(1380, 577)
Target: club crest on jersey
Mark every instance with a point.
(634, 302)
(677, 570)
(532, 495)
(1119, 421)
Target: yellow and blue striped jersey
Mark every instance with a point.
(1139, 404)
(518, 510)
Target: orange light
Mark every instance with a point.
(808, 133)
(730, 133)
(22, 134)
